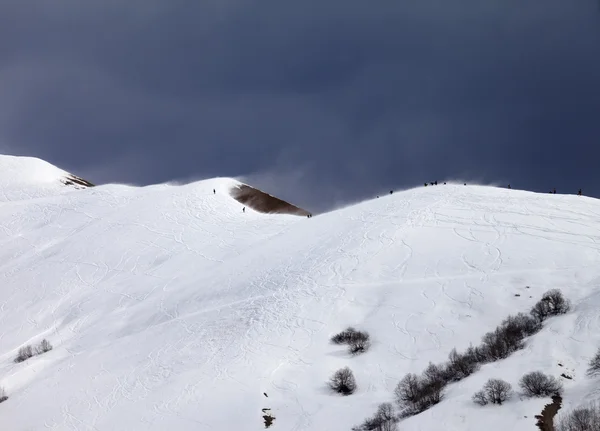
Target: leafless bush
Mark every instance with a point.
(460, 365)
(44, 347)
(360, 343)
(3, 396)
(436, 373)
(521, 325)
(496, 391)
(343, 381)
(538, 384)
(383, 420)
(415, 395)
(552, 303)
(344, 337)
(580, 419)
(594, 366)
(25, 353)
(508, 337)
(494, 346)
(357, 341)
(407, 391)
(540, 311)
(480, 398)
(557, 304)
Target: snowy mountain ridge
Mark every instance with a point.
(170, 308)
(24, 178)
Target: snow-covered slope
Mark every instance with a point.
(170, 308)
(24, 178)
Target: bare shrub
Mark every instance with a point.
(497, 391)
(383, 420)
(556, 302)
(415, 395)
(357, 341)
(499, 344)
(580, 419)
(540, 311)
(552, 303)
(521, 325)
(461, 365)
(3, 396)
(25, 353)
(431, 394)
(407, 391)
(480, 398)
(594, 366)
(476, 355)
(436, 373)
(344, 336)
(538, 384)
(343, 381)
(44, 347)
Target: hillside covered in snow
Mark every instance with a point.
(170, 308)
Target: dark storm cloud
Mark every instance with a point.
(321, 100)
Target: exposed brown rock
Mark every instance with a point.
(263, 202)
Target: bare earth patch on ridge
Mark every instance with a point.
(73, 180)
(263, 202)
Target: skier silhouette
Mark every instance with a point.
(579, 192)
(214, 192)
(509, 186)
(244, 209)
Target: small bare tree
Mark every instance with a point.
(594, 366)
(408, 391)
(480, 398)
(435, 373)
(343, 381)
(581, 419)
(344, 337)
(44, 347)
(461, 365)
(25, 353)
(497, 391)
(3, 396)
(538, 384)
(557, 304)
(383, 420)
(540, 311)
(357, 341)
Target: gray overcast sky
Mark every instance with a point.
(319, 101)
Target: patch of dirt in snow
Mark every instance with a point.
(546, 419)
(73, 180)
(263, 202)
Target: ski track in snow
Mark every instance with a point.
(170, 308)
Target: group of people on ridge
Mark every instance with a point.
(553, 191)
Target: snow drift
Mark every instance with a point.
(170, 308)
